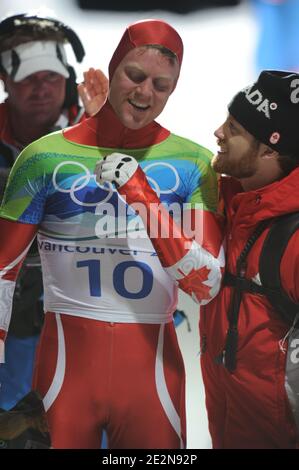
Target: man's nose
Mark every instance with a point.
(145, 88)
(219, 133)
(41, 87)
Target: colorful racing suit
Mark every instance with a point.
(108, 357)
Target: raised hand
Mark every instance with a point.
(93, 91)
(116, 168)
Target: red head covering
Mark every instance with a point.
(143, 33)
(105, 129)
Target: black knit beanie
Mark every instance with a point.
(269, 110)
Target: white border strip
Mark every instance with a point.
(162, 390)
(58, 378)
(15, 262)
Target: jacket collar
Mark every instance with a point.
(251, 207)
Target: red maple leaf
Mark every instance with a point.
(193, 283)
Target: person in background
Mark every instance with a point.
(41, 97)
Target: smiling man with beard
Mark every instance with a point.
(249, 352)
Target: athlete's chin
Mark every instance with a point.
(134, 124)
(217, 163)
(42, 118)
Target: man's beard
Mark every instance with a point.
(243, 168)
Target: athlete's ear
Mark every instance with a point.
(267, 152)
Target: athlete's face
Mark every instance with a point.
(141, 86)
(38, 98)
(239, 151)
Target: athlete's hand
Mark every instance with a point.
(93, 91)
(116, 168)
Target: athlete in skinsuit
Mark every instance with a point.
(108, 356)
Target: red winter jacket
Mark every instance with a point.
(257, 406)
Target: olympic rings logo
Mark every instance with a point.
(154, 183)
(83, 180)
(80, 183)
